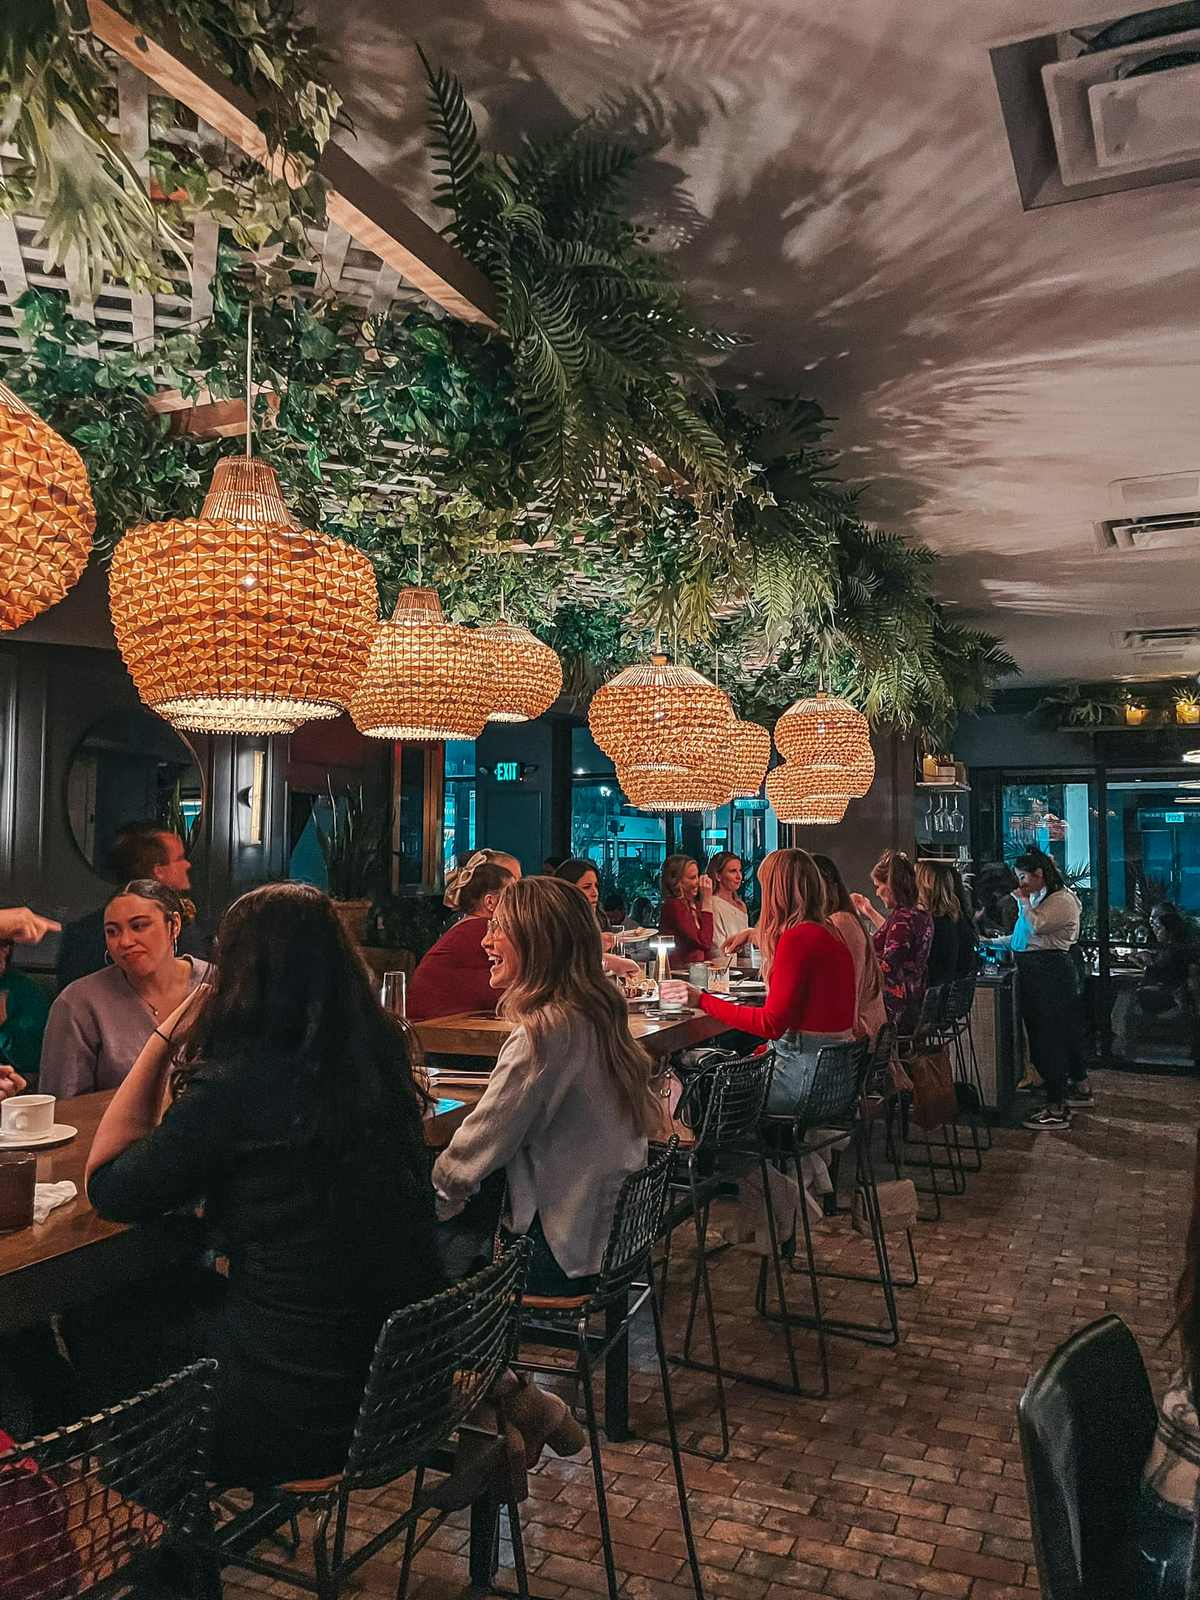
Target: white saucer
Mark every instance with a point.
(59, 1134)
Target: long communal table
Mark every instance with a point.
(475, 1033)
(76, 1255)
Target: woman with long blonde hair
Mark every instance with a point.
(811, 996)
(568, 1107)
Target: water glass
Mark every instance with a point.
(18, 1179)
(393, 993)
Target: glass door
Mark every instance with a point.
(1153, 923)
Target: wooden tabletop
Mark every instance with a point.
(476, 1033)
(75, 1254)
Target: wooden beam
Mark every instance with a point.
(375, 217)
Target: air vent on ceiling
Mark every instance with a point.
(1133, 534)
(1161, 641)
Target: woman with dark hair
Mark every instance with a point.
(453, 975)
(585, 875)
(294, 1117)
(1048, 987)
(868, 980)
(686, 913)
(99, 1023)
(952, 954)
(902, 937)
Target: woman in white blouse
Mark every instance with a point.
(729, 912)
(568, 1107)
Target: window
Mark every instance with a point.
(458, 818)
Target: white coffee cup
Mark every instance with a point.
(30, 1115)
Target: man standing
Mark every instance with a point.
(140, 850)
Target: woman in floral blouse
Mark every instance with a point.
(902, 938)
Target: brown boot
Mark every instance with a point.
(540, 1417)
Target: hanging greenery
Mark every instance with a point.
(56, 99)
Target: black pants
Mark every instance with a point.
(1051, 1009)
(1162, 1549)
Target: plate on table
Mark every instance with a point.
(634, 935)
(58, 1134)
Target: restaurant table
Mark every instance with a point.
(76, 1255)
(476, 1033)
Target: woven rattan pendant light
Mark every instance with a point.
(823, 731)
(751, 747)
(525, 675)
(427, 678)
(705, 788)
(238, 620)
(787, 787)
(46, 514)
(659, 717)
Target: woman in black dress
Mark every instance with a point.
(294, 1118)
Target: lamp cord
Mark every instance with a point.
(249, 352)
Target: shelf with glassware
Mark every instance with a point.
(943, 822)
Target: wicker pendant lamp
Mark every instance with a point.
(786, 791)
(427, 678)
(751, 747)
(707, 788)
(239, 621)
(659, 717)
(46, 514)
(823, 731)
(861, 775)
(525, 674)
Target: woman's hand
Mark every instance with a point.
(621, 965)
(11, 1082)
(862, 904)
(674, 992)
(607, 940)
(178, 1025)
(738, 941)
(706, 891)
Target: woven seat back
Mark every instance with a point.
(836, 1085)
(433, 1363)
(78, 1506)
(737, 1093)
(637, 1223)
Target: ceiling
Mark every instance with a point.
(836, 183)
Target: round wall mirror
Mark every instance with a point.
(131, 766)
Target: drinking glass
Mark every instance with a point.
(393, 993)
(18, 1177)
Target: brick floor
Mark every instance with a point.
(906, 1483)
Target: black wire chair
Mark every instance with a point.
(434, 1363)
(626, 1271)
(835, 1112)
(726, 1107)
(928, 1032)
(92, 1509)
(967, 1071)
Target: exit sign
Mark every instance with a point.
(1174, 816)
(508, 772)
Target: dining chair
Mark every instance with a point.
(100, 1507)
(434, 1363)
(625, 1281)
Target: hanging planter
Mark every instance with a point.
(46, 514)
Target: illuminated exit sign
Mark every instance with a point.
(508, 772)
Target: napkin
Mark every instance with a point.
(48, 1195)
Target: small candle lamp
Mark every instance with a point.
(1135, 714)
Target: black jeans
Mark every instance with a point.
(1051, 1009)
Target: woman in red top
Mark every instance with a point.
(812, 997)
(455, 974)
(686, 912)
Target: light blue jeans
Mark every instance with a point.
(795, 1068)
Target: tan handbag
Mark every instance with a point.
(934, 1102)
(897, 1206)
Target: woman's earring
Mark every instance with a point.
(108, 960)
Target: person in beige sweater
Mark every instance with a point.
(568, 1107)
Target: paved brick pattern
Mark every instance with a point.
(906, 1484)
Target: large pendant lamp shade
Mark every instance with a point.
(238, 620)
(659, 717)
(751, 746)
(704, 789)
(427, 678)
(46, 514)
(861, 775)
(525, 674)
(823, 731)
(787, 791)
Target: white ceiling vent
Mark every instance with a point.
(1149, 514)
(1177, 641)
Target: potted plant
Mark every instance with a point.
(351, 844)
